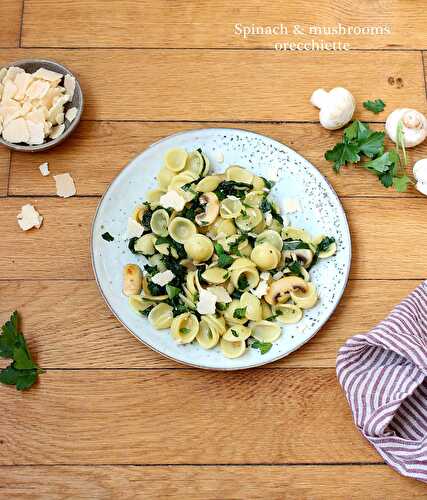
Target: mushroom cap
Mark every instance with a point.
(414, 126)
(211, 206)
(420, 170)
(304, 255)
(336, 107)
(422, 187)
(284, 286)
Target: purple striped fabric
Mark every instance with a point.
(384, 376)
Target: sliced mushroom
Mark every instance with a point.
(279, 290)
(132, 279)
(304, 256)
(211, 206)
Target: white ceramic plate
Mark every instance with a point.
(321, 213)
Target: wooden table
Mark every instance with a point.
(111, 418)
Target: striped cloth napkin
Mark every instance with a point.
(384, 376)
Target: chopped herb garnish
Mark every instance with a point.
(325, 244)
(295, 267)
(268, 184)
(150, 270)
(239, 313)
(146, 311)
(224, 260)
(232, 188)
(221, 306)
(184, 330)
(234, 333)
(242, 282)
(155, 289)
(234, 247)
(131, 245)
(262, 346)
(107, 236)
(22, 372)
(295, 245)
(172, 291)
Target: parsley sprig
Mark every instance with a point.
(375, 106)
(359, 140)
(22, 372)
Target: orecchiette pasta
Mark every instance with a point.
(221, 269)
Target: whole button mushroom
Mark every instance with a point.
(336, 107)
(420, 174)
(414, 126)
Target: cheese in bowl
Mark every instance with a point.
(35, 106)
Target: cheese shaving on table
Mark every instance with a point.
(221, 294)
(65, 186)
(163, 278)
(172, 200)
(28, 218)
(206, 303)
(44, 169)
(134, 229)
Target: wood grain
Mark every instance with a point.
(210, 483)
(97, 152)
(181, 417)
(230, 84)
(10, 22)
(90, 337)
(127, 23)
(4, 170)
(60, 249)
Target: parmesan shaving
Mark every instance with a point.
(28, 218)
(64, 185)
(44, 169)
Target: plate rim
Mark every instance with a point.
(189, 363)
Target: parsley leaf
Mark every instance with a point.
(172, 291)
(380, 164)
(224, 260)
(239, 313)
(262, 346)
(375, 106)
(401, 183)
(325, 244)
(295, 268)
(22, 372)
(242, 282)
(343, 153)
(234, 333)
(221, 306)
(107, 236)
(184, 330)
(232, 188)
(373, 144)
